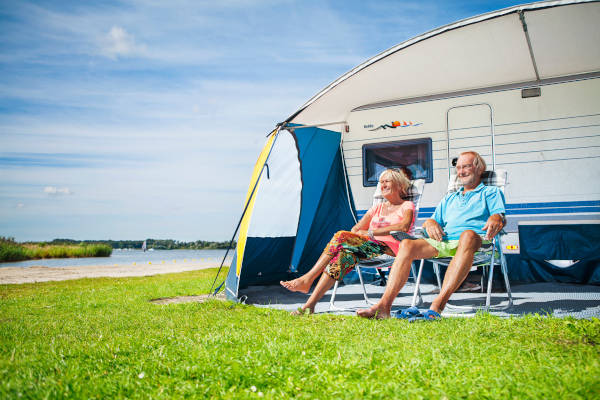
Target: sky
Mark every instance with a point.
(138, 119)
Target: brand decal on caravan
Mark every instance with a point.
(396, 124)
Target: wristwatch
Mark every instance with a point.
(371, 234)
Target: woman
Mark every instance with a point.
(369, 238)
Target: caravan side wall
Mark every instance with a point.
(550, 145)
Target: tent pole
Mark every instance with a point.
(284, 125)
(346, 183)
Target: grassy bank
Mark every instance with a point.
(102, 338)
(13, 251)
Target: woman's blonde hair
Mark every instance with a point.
(398, 178)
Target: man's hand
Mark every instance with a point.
(493, 225)
(433, 229)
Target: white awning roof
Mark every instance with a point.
(480, 52)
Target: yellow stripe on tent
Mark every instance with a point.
(241, 245)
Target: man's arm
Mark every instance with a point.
(433, 225)
(494, 224)
(433, 229)
(496, 221)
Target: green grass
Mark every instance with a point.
(102, 338)
(13, 251)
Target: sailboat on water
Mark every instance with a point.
(144, 247)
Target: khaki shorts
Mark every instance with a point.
(446, 248)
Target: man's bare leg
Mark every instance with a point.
(324, 284)
(409, 251)
(458, 269)
(303, 283)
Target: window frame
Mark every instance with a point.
(378, 145)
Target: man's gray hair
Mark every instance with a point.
(478, 161)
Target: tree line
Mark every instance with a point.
(157, 244)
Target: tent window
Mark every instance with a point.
(412, 156)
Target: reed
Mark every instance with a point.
(13, 251)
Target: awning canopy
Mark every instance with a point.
(558, 38)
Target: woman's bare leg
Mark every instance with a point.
(324, 284)
(303, 283)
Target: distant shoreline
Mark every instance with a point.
(156, 244)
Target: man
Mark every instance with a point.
(454, 231)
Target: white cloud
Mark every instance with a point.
(20, 205)
(54, 191)
(120, 43)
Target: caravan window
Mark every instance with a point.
(412, 156)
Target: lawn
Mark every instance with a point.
(102, 338)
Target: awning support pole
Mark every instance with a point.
(522, 18)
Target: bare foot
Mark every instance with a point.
(296, 285)
(373, 312)
(302, 311)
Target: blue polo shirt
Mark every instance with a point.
(460, 211)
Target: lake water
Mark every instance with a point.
(128, 257)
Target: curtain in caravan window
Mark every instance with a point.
(412, 156)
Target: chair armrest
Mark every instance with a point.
(400, 236)
(419, 233)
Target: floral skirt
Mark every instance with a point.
(347, 249)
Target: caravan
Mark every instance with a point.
(521, 86)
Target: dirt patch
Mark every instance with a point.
(188, 299)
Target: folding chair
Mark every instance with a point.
(381, 263)
(486, 257)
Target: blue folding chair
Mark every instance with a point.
(384, 262)
(486, 257)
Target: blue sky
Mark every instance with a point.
(143, 119)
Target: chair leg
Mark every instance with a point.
(369, 301)
(436, 269)
(362, 285)
(420, 298)
(417, 284)
(504, 269)
(332, 305)
(488, 271)
(488, 297)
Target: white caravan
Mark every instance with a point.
(521, 86)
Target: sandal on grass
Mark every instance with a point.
(408, 313)
(428, 315)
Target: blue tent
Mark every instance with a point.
(297, 199)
